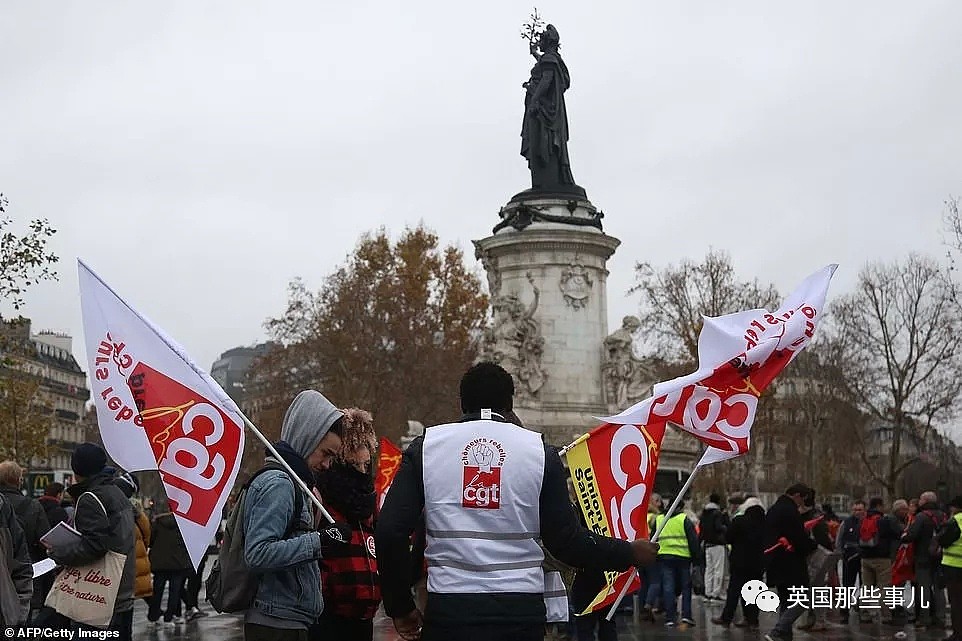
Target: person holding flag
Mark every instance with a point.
(787, 563)
(488, 490)
(739, 355)
(281, 544)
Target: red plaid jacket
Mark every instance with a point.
(349, 573)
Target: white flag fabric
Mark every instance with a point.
(738, 355)
(158, 411)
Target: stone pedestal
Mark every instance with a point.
(546, 267)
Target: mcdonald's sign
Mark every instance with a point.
(37, 482)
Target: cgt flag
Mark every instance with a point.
(388, 463)
(739, 355)
(613, 471)
(158, 411)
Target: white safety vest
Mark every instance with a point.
(482, 492)
(555, 598)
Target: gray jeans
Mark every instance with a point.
(928, 586)
(787, 616)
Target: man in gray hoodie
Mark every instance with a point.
(281, 544)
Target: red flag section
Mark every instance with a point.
(157, 410)
(388, 463)
(739, 355)
(613, 471)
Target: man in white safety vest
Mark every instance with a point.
(487, 490)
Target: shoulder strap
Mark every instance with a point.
(96, 498)
(298, 499)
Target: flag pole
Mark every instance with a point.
(232, 406)
(564, 450)
(654, 538)
(297, 480)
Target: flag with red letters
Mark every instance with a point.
(158, 411)
(613, 471)
(739, 355)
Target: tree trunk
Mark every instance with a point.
(894, 455)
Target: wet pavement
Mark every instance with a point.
(228, 627)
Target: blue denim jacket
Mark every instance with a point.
(290, 583)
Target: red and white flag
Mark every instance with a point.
(738, 355)
(158, 411)
(613, 470)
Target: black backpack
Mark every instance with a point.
(231, 586)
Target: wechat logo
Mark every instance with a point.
(756, 593)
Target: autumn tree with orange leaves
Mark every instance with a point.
(390, 331)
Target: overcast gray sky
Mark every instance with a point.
(201, 155)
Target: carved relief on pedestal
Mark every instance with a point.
(626, 378)
(514, 341)
(490, 265)
(576, 285)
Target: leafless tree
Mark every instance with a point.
(674, 299)
(897, 338)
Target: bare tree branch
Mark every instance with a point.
(898, 335)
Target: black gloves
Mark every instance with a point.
(333, 534)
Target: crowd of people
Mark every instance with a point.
(910, 549)
(478, 538)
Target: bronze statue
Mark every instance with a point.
(544, 132)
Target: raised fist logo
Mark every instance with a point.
(483, 456)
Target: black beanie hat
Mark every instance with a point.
(88, 459)
(127, 483)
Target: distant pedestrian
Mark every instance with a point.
(787, 565)
(714, 525)
(747, 538)
(679, 551)
(820, 561)
(846, 543)
(51, 502)
(169, 562)
(924, 527)
(143, 581)
(879, 534)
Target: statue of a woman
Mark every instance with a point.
(544, 132)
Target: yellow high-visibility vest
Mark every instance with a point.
(952, 555)
(673, 540)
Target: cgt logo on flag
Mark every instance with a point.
(196, 445)
(482, 459)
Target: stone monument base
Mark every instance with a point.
(546, 266)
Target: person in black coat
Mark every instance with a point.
(170, 563)
(50, 501)
(103, 517)
(16, 573)
(746, 535)
(787, 564)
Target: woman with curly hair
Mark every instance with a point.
(349, 579)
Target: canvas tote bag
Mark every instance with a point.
(88, 593)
